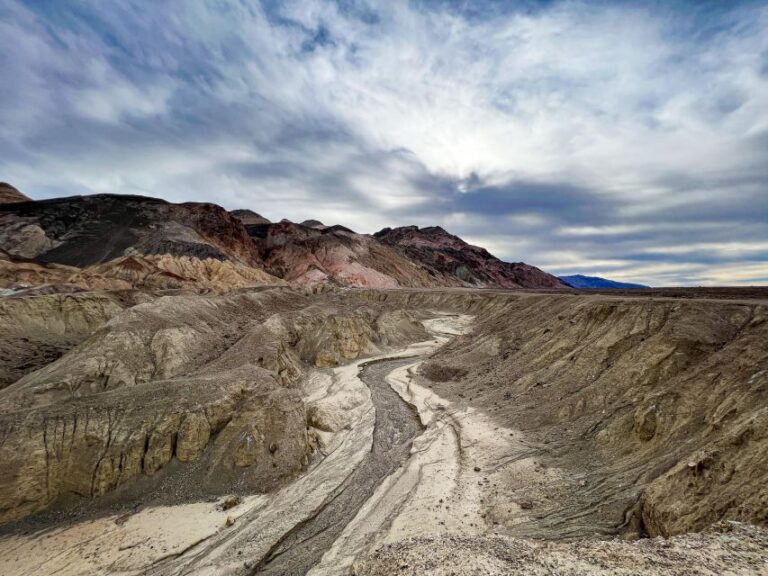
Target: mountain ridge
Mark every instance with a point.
(588, 282)
(96, 233)
(477, 267)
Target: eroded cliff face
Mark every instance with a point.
(37, 331)
(328, 340)
(159, 382)
(652, 412)
(143, 389)
(147, 272)
(655, 408)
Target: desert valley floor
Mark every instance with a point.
(274, 430)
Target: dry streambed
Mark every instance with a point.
(360, 486)
(416, 477)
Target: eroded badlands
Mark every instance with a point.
(277, 431)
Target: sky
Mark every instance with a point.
(621, 139)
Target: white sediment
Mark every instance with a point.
(438, 490)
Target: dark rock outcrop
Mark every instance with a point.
(86, 230)
(449, 255)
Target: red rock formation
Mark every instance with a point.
(449, 255)
(87, 231)
(336, 255)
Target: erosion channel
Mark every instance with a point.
(397, 424)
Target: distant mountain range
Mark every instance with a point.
(119, 241)
(579, 281)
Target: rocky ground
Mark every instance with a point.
(173, 432)
(725, 549)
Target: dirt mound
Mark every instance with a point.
(152, 271)
(729, 548)
(165, 271)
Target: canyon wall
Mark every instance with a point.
(658, 406)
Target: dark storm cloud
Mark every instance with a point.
(614, 137)
(554, 201)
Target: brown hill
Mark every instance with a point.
(9, 194)
(249, 217)
(88, 230)
(449, 255)
(337, 255)
(150, 271)
(105, 229)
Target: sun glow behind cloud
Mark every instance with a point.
(578, 136)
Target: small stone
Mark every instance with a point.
(230, 521)
(477, 468)
(230, 502)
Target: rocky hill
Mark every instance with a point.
(87, 230)
(116, 241)
(313, 253)
(317, 254)
(450, 256)
(249, 217)
(9, 194)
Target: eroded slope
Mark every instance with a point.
(556, 416)
(645, 416)
(182, 378)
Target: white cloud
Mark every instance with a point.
(383, 114)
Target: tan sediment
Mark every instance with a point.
(340, 405)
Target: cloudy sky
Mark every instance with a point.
(624, 139)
